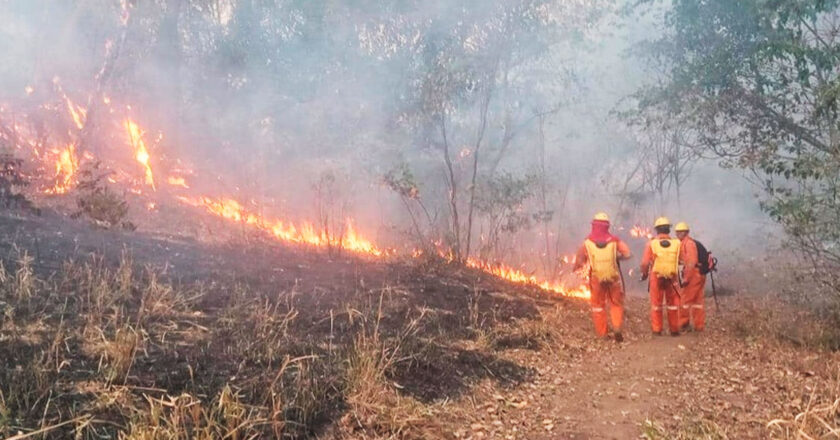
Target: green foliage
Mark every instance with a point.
(501, 197)
(501, 200)
(402, 181)
(756, 83)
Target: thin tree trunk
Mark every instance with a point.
(453, 192)
(677, 173)
(416, 225)
(485, 106)
(547, 258)
(102, 81)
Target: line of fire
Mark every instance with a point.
(55, 168)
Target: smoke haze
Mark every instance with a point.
(304, 107)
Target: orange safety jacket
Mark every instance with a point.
(690, 259)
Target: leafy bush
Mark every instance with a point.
(98, 202)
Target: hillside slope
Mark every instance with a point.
(163, 336)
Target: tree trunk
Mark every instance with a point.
(453, 192)
(485, 106)
(547, 257)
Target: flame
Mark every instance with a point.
(520, 277)
(641, 232)
(78, 113)
(177, 181)
(141, 154)
(306, 233)
(347, 236)
(66, 166)
(353, 241)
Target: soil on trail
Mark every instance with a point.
(496, 359)
(612, 390)
(615, 391)
(717, 381)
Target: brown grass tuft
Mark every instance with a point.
(821, 421)
(693, 430)
(374, 404)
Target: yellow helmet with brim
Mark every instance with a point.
(662, 221)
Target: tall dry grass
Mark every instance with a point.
(817, 421)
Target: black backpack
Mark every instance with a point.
(705, 262)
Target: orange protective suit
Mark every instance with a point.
(694, 287)
(606, 292)
(662, 290)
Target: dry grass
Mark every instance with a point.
(104, 338)
(693, 430)
(18, 285)
(187, 417)
(23, 389)
(760, 318)
(375, 405)
(119, 353)
(817, 421)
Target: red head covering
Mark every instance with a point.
(601, 232)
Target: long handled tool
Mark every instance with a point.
(714, 289)
(621, 274)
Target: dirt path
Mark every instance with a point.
(718, 381)
(611, 390)
(602, 391)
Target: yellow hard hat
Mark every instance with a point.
(662, 221)
(681, 226)
(601, 216)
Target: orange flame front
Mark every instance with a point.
(141, 154)
(352, 241)
(66, 166)
(518, 276)
(346, 236)
(306, 233)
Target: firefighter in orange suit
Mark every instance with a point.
(603, 251)
(660, 263)
(694, 282)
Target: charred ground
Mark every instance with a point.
(136, 335)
